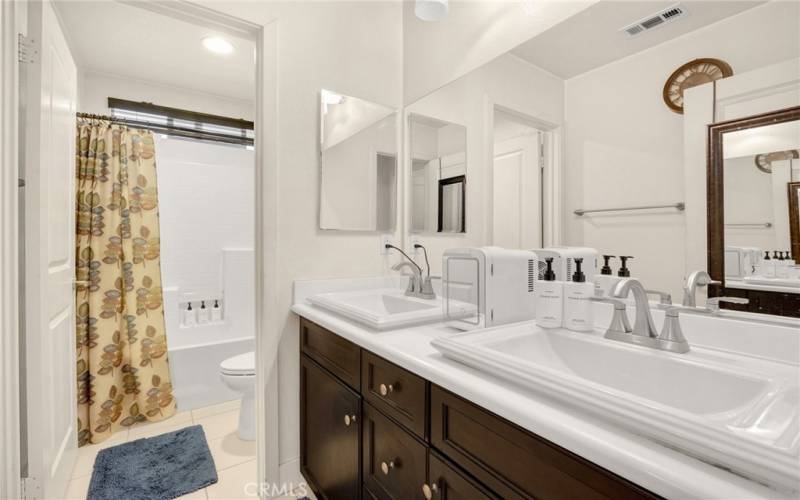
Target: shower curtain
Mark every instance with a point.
(122, 370)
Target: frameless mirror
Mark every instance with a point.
(438, 175)
(358, 164)
(760, 170)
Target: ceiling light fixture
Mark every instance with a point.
(217, 45)
(431, 10)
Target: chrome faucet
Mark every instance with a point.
(417, 287)
(643, 325)
(712, 304)
(644, 331)
(696, 279)
(426, 289)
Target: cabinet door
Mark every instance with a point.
(395, 462)
(330, 444)
(447, 483)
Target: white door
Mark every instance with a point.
(517, 193)
(51, 90)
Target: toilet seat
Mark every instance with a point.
(240, 365)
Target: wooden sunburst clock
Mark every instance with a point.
(691, 74)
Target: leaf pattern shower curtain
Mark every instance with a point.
(122, 372)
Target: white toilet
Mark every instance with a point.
(239, 374)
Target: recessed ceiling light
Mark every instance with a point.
(431, 10)
(217, 45)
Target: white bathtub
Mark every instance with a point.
(195, 372)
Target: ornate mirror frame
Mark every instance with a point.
(781, 303)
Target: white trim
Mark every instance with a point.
(10, 467)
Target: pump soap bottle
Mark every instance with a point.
(624, 272)
(189, 316)
(577, 306)
(549, 299)
(202, 314)
(216, 312)
(767, 266)
(605, 282)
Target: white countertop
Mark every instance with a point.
(659, 469)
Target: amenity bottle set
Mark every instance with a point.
(567, 303)
(202, 314)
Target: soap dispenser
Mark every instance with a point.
(605, 282)
(577, 306)
(202, 314)
(624, 272)
(549, 298)
(781, 266)
(189, 316)
(767, 267)
(216, 312)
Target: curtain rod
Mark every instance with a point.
(175, 131)
(680, 206)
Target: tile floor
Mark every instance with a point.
(235, 459)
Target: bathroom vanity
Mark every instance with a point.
(371, 429)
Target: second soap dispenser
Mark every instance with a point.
(577, 306)
(549, 298)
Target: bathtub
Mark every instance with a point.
(195, 372)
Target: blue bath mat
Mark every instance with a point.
(161, 467)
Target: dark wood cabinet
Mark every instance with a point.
(394, 461)
(396, 392)
(330, 428)
(410, 439)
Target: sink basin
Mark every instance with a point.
(733, 411)
(382, 309)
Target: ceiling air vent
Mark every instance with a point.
(653, 21)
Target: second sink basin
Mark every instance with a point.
(382, 309)
(734, 411)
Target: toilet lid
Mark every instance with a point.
(243, 364)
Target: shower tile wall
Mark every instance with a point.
(207, 223)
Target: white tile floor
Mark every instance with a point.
(235, 459)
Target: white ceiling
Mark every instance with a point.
(591, 38)
(120, 39)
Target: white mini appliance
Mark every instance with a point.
(564, 261)
(496, 283)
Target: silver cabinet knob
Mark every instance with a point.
(429, 491)
(349, 419)
(387, 467)
(386, 389)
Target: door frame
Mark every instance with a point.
(12, 22)
(552, 171)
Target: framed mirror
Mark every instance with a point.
(438, 175)
(752, 224)
(358, 164)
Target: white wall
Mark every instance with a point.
(356, 49)
(748, 200)
(510, 83)
(473, 34)
(624, 147)
(95, 88)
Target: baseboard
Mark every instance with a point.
(290, 474)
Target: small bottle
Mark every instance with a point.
(189, 316)
(549, 299)
(202, 314)
(624, 272)
(767, 266)
(781, 266)
(577, 306)
(605, 282)
(216, 312)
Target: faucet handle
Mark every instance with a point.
(672, 332)
(664, 297)
(619, 321)
(713, 302)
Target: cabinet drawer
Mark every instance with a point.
(330, 418)
(487, 445)
(341, 357)
(395, 391)
(394, 462)
(446, 482)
